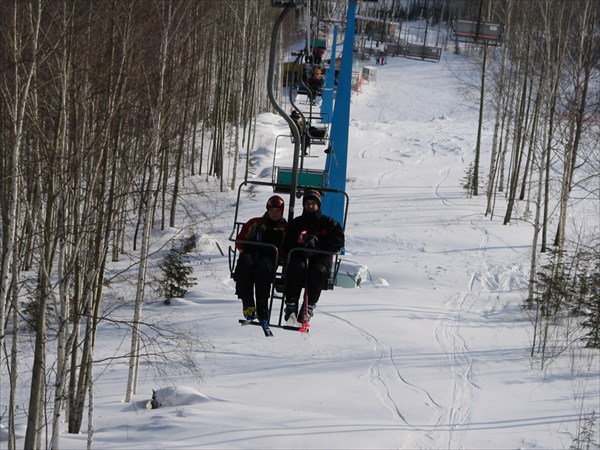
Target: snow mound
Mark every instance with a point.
(177, 396)
(381, 282)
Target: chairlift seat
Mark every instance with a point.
(319, 43)
(318, 135)
(318, 132)
(420, 51)
(471, 31)
(306, 178)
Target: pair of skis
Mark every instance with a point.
(265, 326)
(301, 327)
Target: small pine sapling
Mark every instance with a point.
(176, 277)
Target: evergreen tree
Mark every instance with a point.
(468, 181)
(176, 277)
(591, 302)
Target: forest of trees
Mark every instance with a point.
(106, 107)
(542, 96)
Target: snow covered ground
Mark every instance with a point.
(431, 351)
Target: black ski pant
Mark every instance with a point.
(311, 271)
(254, 273)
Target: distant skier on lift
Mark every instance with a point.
(314, 231)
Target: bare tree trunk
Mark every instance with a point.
(151, 191)
(587, 61)
(531, 132)
(62, 309)
(77, 148)
(15, 92)
(554, 56)
(141, 284)
(90, 427)
(14, 360)
(61, 343)
(179, 155)
(163, 182)
(517, 155)
(38, 381)
(499, 120)
(536, 227)
(507, 123)
(479, 124)
(243, 61)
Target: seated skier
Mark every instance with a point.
(256, 265)
(316, 82)
(309, 270)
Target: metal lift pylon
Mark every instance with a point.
(337, 158)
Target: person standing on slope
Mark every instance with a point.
(310, 270)
(256, 266)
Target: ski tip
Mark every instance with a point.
(291, 328)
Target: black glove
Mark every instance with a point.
(311, 241)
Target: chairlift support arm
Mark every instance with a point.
(288, 6)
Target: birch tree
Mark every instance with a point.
(14, 91)
(166, 12)
(96, 131)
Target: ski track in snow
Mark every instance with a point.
(448, 334)
(429, 422)
(386, 378)
(384, 372)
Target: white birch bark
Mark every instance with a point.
(148, 213)
(17, 96)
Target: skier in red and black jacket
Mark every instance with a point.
(314, 231)
(256, 264)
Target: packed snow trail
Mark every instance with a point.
(406, 154)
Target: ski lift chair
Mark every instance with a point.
(420, 51)
(307, 178)
(238, 224)
(279, 290)
(318, 135)
(278, 285)
(278, 282)
(334, 263)
(477, 32)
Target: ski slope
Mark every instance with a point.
(431, 351)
